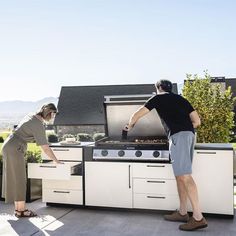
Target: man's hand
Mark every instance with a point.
(128, 127)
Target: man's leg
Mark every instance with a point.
(180, 215)
(191, 190)
(183, 196)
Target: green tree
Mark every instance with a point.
(214, 106)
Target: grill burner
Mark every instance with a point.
(138, 149)
(135, 141)
(151, 141)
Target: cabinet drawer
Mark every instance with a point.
(65, 154)
(75, 183)
(63, 196)
(153, 170)
(51, 170)
(213, 153)
(156, 186)
(156, 201)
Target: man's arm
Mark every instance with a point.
(142, 111)
(195, 119)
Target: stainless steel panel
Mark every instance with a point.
(118, 116)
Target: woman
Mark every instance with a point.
(30, 129)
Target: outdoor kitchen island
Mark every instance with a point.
(135, 184)
(151, 185)
(134, 170)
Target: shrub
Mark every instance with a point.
(84, 137)
(1, 139)
(52, 138)
(98, 136)
(33, 157)
(214, 106)
(68, 136)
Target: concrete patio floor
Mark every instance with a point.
(100, 222)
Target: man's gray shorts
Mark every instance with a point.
(181, 146)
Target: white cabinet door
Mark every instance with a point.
(66, 154)
(108, 184)
(213, 173)
(52, 170)
(153, 170)
(63, 196)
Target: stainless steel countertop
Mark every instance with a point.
(213, 146)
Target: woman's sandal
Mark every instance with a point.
(25, 213)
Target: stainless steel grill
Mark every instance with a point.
(146, 141)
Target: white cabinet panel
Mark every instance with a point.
(66, 154)
(153, 170)
(213, 173)
(156, 201)
(156, 186)
(75, 183)
(108, 184)
(51, 170)
(63, 196)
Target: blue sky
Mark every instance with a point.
(46, 44)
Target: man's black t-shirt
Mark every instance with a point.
(174, 110)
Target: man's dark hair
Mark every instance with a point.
(166, 85)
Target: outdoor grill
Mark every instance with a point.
(146, 141)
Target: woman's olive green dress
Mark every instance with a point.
(13, 151)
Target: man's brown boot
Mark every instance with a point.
(176, 216)
(193, 224)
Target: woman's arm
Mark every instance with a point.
(48, 151)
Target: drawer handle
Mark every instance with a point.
(155, 165)
(48, 166)
(61, 191)
(129, 177)
(156, 197)
(61, 150)
(159, 182)
(206, 152)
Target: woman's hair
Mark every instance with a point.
(166, 85)
(46, 110)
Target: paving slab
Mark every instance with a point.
(88, 222)
(61, 221)
(11, 225)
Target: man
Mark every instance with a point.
(180, 119)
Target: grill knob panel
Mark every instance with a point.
(104, 153)
(138, 153)
(156, 154)
(121, 153)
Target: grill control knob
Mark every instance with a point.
(121, 153)
(138, 153)
(104, 153)
(156, 154)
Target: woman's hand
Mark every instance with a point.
(48, 151)
(58, 162)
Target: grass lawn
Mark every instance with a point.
(5, 134)
(31, 147)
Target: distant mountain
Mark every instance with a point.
(11, 112)
(17, 106)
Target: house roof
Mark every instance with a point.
(83, 105)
